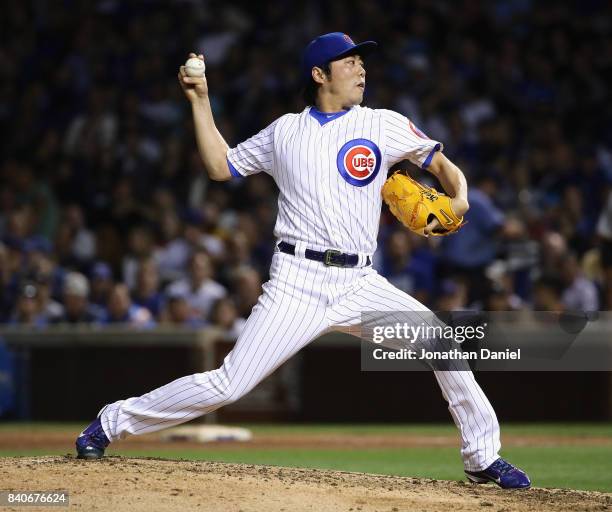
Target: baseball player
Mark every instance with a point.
(330, 162)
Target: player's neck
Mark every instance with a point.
(330, 105)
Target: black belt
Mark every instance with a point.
(331, 257)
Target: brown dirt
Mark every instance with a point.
(123, 484)
(16, 440)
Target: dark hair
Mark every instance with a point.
(309, 92)
(552, 282)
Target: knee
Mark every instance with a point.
(223, 389)
(228, 395)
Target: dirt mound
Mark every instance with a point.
(118, 484)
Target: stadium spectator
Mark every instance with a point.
(197, 238)
(553, 248)
(547, 294)
(178, 312)
(200, 288)
(27, 309)
(125, 210)
(95, 129)
(246, 289)
(49, 308)
(146, 293)
(239, 253)
(83, 241)
(40, 264)
(101, 283)
(34, 193)
(13, 274)
(468, 255)
(18, 227)
(224, 315)
(579, 293)
(121, 310)
(77, 309)
(501, 297)
(407, 266)
(173, 251)
(452, 295)
(140, 246)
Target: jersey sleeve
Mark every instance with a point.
(406, 141)
(254, 155)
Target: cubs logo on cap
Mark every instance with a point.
(359, 161)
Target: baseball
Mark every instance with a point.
(195, 67)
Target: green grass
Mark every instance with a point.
(575, 466)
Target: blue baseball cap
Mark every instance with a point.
(101, 270)
(328, 47)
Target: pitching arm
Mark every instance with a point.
(211, 144)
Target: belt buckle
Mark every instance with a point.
(328, 258)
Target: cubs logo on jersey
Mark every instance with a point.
(359, 161)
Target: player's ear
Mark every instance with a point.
(318, 75)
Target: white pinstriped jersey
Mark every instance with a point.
(330, 172)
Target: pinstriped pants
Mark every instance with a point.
(302, 300)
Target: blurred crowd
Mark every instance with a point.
(106, 215)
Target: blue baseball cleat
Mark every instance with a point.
(92, 442)
(503, 474)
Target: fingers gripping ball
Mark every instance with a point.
(414, 205)
(195, 67)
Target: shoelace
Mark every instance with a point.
(502, 466)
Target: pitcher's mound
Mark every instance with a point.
(123, 484)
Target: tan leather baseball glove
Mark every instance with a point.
(415, 205)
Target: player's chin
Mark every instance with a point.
(357, 97)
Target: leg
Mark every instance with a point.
(467, 403)
(270, 338)
(284, 320)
